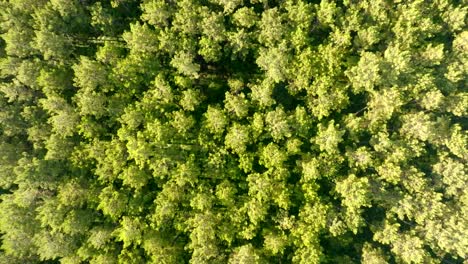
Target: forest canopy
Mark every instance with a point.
(233, 131)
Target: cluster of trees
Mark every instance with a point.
(233, 131)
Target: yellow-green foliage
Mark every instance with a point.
(233, 131)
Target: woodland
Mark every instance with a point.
(233, 131)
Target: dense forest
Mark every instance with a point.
(233, 131)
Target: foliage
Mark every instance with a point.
(233, 131)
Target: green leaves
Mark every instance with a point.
(237, 104)
(216, 120)
(272, 29)
(373, 255)
(233, 131)
(89, 75)
(156, 13)
(458, 142)
(183, 62)
(237, 138)
(278, 125)
(245, 17)
(355, 192)
(272, 156)
(141, 39)
(328, 137)
(365, 75)
(245, 254)
(130, 231)
(112, 203)
(275, 62)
